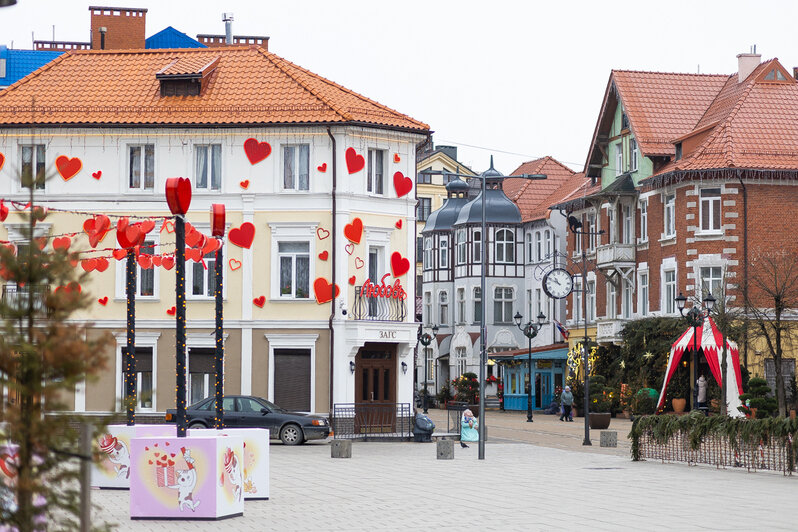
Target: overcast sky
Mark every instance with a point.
(518, 80)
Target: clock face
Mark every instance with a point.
(558, 283)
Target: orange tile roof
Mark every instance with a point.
(249, 86)
(188, 65)
(534, 197)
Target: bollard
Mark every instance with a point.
(609, 438)
(445, 449)
(341, 449)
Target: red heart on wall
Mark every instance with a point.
(399, 224)
(354, 162)
(168, 225)
(323, 255)
(168, 262)
(321, 233)
(402, 184)
(256, 151)
(358, 263)
(354, 231)
(119, 254)
(97, 175)
(234, 264)
(324, 290)
(321, 168)
(242, 236)
(62, 243)
(399, 264)
(244, 184)
(67, 167)
(103, 301)
(352, 280)
(178, 194)
(259, 301)
(172, 311)
(349, 248)
(396, 158)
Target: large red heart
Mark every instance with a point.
(259, 301)
(354, 162)
(96, 228)
(168, 262)
(147, 226)
(399, 264)
(324, 290)
(130, 237)
(3, 208)
(242, 236)
(194, 238)
(62, 243)
(178, 194)
(211, 245)
(256, 151)
(145, 261)
(402, 184)
(354, 231)
(234, 264)
(67, 167)
(156, 260)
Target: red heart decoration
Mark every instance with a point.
(172, 311)
(119, 254)
(322, 167)
(130, 236)
(354, 162)
(211, 245)
(2, 160)
(171, 463)
(157, 455)
(102, 264)
(167, 444)
(168, 262)
(8, 464)
(122, 223)
(193, 238)
(97, 175)
(70, 288)
(259, 301)
(62, 243)
(171, 454)
(103, 301)
(168, 225)
(402, 184)
(323, 255)
(244, 184)
(145, 261)
(96, 228)
(150, 461)
(193, 254)
(3, 208)
(242, 236)
(399, 264)
(67, 167)
(399, 224)
(41, 242)
(322, 233)
(324, 290)
(358, 263)
(88, 264)
(234, 264)
(349, 248)
(354, 231)
(178, 194)
(156, 445)
(352, 280)
(256, 151)
(156, 260)
(17, 207)
(396, 158)
(146, 448)
(147, 226)
(73, 260)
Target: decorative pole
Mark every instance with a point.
(217, 230)
(178, 196)
(130, 349)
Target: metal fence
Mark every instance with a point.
(718, 451)
(454, 418)
(372, 304)
(372, 421)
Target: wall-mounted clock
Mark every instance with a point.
(558, 283)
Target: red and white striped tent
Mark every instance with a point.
(710, 341)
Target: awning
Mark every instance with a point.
(557, 351)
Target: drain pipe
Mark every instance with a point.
(745, 259)
(332, 280)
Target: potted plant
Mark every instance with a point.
(444, 396)
(600, 403)
(466, 388)
(756, 400)
(678, 389)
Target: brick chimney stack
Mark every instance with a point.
(125, 27)
(747, 63)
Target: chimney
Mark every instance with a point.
(227, 18)
(746, 63)
(124, 28)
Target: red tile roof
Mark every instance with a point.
(249, 86)
(534, 197)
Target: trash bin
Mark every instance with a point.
(422, 431)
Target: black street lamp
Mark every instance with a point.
(530, 330)
(426, 340)
(695, 319)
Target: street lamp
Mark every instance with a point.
(426, 339)
(695, 319)
(530, 330)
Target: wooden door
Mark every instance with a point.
(375, 391)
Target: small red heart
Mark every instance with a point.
(234, 264)
(171, 454)
(103, 301)
(150, 461)
(156, 260)
(322, 167)
(399, 264)
(171, 463)
(349, 248)
(354, 231)
(145, 261)
(88, 265)
(62, 243)
(193, 254)
(67, 167)
(322, 233)
(242, 236)
(147, 226)
(399, 224)
(3, 207)
(358, 263)
(352, 280)
(156, 445)
(168, 262)
(119, 254)
(157, 454)
(101, 265)
(172, 311)
(167, 444)
(256, 151)
(396, 158)
(402, 184)
(211, 245)
(244, 184)
(146, 448)
(354, 162)
(178, 194)
(168, 225)
(259, 301)
(324, 290)
(323, 255)
(97, 175)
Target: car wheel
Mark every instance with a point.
(291, 435)
(197, 425)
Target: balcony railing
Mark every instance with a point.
(610, 255)
(609, 330)
(17, 298)
(380, 302)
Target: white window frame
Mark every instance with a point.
(503, 301)
(210, 271)
(296, 341)
(619, 158)
(505, 246)
(547, 242)
(376, 185)
(591, 226)
(538, 246)
(627, 299)
(612, 225)
(143, 339)
(443, 307)
(669, 215)
(443, 252)
(668, 297)
(590, 294)
(34, 163)
(577, 300)
(461, 246)
(427, 307)
(643, 220)
(628, 224)
(429, 355)
(718, 281)
(461, 360)
(710, 204)
(529, 249)
(478, 247)
(461, 306)
(142, 170)
(612, 300)
(642, 293)
(477, 299)
(427, 262)
(121, 273)
(296, 147)
(210, 150)
(634, 151)
(539, 305)
(291, 232)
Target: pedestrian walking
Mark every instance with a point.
(566, 399)
(469, 428)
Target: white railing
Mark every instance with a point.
(611, 253)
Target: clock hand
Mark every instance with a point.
(555, 280)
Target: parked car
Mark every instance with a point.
(245, 411)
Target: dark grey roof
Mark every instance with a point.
(499, 209)
(457, 186)
(443, 218)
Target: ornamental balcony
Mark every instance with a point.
(615, 256)
(608, 330)
(379, 302)
(16, 298)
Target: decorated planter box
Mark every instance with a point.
(113, 468)
(256, 459)
(196, 477)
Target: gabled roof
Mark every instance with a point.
(20, 63)
(249, 86)
(534, 197)
(171, 38)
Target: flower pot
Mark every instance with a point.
(679, 405)
(599, 421)
(792, 414)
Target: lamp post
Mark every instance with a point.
(530, 330)
(494, 175)
(695, 319)
(426, 340)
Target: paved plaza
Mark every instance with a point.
(535, 477)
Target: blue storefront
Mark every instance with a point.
(548, 374)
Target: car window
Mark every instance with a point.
(228, 403)
(210, 404)
(271, 406)
(245, 404)
(202, 405)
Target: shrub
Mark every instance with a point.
(757, 397)
(466, 388)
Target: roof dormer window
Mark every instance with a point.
(186, 76)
